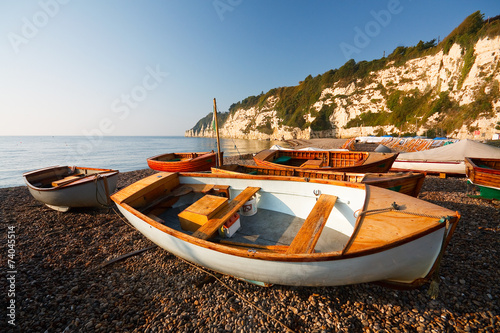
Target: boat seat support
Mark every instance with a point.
(308, 235)
(208, 229)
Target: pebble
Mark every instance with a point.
(59, 257)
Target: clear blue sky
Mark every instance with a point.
(125, 67)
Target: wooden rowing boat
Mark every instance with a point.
(484, 173)
(63, 187)
(345, 161)
(408, 183)
(312, 232)
(183, 162)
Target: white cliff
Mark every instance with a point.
(437, 73)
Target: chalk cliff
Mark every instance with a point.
(464, 81)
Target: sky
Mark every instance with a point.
(123, 67)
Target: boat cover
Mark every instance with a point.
(455, 152)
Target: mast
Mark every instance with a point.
(219, 160)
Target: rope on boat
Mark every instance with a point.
(433, 291)
(215, 277)
(106, 190)
(397, 208)
(239, 294)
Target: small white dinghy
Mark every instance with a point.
(305, 232)
(63, 187)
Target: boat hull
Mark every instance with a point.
(484, 173)
(432, 167)
(341, 161)
(393, 265)
(375, 247)
(183, 162)
(409, 183)
(92, 191)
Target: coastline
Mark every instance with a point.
(61, 282)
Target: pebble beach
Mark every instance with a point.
(70, 277)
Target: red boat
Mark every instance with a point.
(183, 162)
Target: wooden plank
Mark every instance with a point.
(258, 247)
(144, 186)
(66, 180)
(312, 164)
(308, 235)
(210, 228)
(201, 211)
(161, 200)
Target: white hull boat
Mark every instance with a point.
(448, 159)
(63, 187)
(303, 232)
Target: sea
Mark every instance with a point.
(19, 154)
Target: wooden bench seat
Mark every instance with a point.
(66, 180)
(312, 164)
(308, 235)
(208, 229)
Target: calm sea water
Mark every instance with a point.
(19, 154)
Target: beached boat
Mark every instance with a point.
(345, 161)
(63, 187)
(302, 232)
(448, 159)
(408, 183)
(183, 162)
(485, 174)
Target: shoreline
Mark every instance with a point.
(61, 283)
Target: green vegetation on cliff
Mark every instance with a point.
(206, 122)
(294, 103)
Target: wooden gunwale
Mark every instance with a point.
(410, 182)
(189, 162)
(489, 177)
(272, 256)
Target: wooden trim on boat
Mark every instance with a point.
(483, 171)
(409, 183)
(331, 160)
(308, 235)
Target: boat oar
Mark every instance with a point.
(125, 256)
(69, 181)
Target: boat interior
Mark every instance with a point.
(256, 170)
(320, 223)
(176, 157)
(486, 163)
(61, 176)
(318, 159)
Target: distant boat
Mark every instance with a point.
(408, 183)
(64, 187)
(303, 233)
(484, 173)
(345, 161)
(448, 159)
(183, 162)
